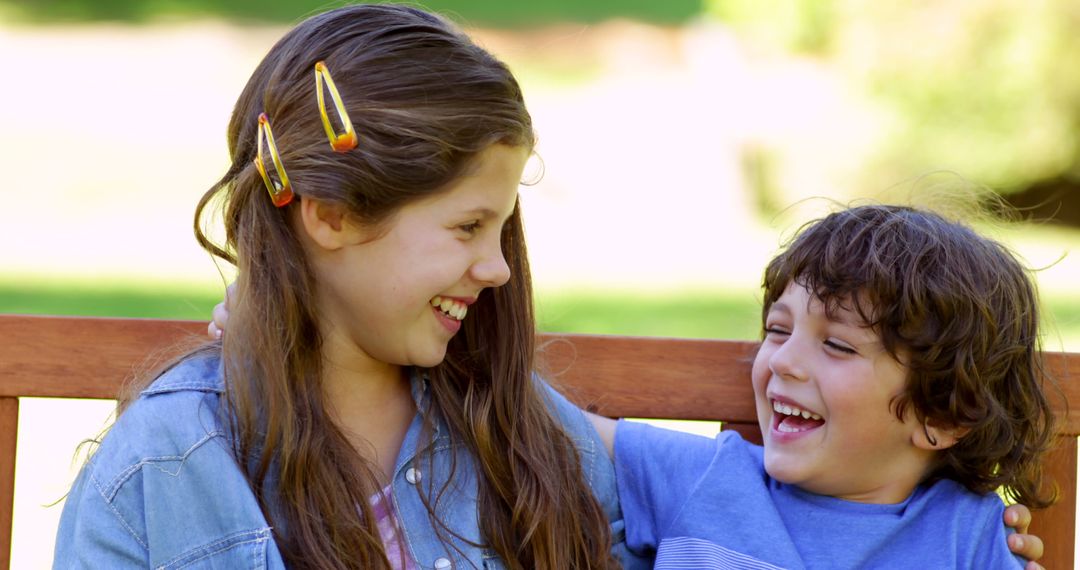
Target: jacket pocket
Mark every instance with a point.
(247, 549)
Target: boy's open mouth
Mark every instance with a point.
(792, 419)
(450, 307)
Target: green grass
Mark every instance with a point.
(693, 314)
(687, 313)
(39, 296)
(499, 13)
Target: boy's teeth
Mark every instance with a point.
(788, 410)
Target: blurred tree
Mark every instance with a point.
(984, 88)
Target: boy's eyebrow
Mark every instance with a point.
(848, 316)
(780, 306)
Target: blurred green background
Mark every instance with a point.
(681, 143)
(835, 98)
(472, 12)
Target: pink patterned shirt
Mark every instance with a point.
(382, 505)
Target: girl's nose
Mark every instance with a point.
(491, 270)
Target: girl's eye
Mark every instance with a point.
(839, 347)
(774, 331)
(470, 228)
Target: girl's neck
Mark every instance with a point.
(371, 402)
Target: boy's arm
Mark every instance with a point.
(606, 428)
(657, 471)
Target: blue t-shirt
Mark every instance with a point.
(708, 503)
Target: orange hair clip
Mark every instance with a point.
(280, 189)
(345, 141)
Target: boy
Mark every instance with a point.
(897, 385)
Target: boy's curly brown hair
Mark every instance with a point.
(960, 312)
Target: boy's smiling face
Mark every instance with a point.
(824, 386)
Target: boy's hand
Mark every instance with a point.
(221, 314)
(1029, 546)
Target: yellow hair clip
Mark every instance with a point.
(280, 189)
(343, 142)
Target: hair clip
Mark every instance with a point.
(345, 141)
(280, 189)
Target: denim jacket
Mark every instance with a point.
(165, 491)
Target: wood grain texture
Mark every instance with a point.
(81, 357)
(9, 426)
(653, 377)
(72, 357)
(1056, 526)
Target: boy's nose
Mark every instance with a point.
(788, 361)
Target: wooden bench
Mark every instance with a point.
(70, 357)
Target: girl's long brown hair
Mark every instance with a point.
(425, 101)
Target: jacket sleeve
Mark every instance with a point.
(92, 534)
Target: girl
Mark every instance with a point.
(356, 418)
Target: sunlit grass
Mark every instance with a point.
(690, 313)
(694, 313)
(486, 12)
(108, 298)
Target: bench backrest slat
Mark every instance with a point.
(73, 357)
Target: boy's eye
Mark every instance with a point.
(773, 331)
(839, 347)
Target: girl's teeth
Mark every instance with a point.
(451, 307)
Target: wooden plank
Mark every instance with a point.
(686, 379)
(749, 432)
(616, 376)
(1063, 368)
(1056, 526)
(77, 357)
(9, 427)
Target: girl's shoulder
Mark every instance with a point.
(163, 488)
(174, 418)
(571, 418)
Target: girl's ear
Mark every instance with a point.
(935, 438)
(327, 224)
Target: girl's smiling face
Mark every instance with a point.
(824, 386)
(398, 293)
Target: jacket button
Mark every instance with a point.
(413, 477)
(442, 564)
